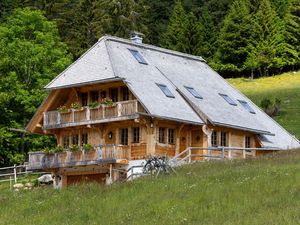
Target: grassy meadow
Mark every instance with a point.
(285, 87)
(257, 191)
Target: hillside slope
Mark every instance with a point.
(258, 191)
(285, 87)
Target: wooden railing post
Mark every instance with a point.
(190, 155)
(223, 153)
(119, 109)
(244, 153)
(103, 111)
(45, 118)
(88, 114)
(73, 116)
(58, 118)
(229, 153)
(136, 106)
(15, 173)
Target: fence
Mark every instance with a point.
(13, 173)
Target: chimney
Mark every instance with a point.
(136, 37)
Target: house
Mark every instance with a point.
(154, 101)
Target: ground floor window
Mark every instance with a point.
(75, 139)
(84, 139)
(124, 136)
(161, 135)
(224, 140)
(66, 142)
(135, 134)
(247, 142)
(214, 139)
(171, 136)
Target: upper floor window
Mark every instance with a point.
(247, 142)
(135, 134)
(214, 139)
(137, 55)
(124, 136)
(94, 96)
(113, 94)
(224, 140)
(228, 99)
(246, 106)
(125, 93)
(84, 99)
(165, 90)
(161, 135)
(171, 136)
(193, 92)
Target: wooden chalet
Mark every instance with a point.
(130, 100)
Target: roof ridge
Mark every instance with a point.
(153, 47)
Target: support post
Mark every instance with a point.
(88, 114)
(244, 153)
(229, 153)
(15, 173)
(223, 153)
(119, 108)
(58, 118)
(190, 155)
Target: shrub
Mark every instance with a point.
(88, 147)
(58, 149)
(271, 107)
(62, 109)
(93, 105)
(74, 148)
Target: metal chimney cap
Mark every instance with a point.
(136, 37)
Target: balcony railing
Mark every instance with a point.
(102, 154)
(55, 119)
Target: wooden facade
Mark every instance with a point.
(124, 126)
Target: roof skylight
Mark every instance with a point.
(137, 55)
(193, 92)
(247, 106)
(228, 99)
(165, 90)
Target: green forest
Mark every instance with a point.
(39, 38)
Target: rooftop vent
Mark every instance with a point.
(136, 37)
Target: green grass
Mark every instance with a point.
(259, 191)
(285, 87)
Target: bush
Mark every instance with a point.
(88, 147)
(271, 107)
(74, 148)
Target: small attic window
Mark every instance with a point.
(165, 90)
(137, 55)
(247, 106)
(228, 99)
(193, 92)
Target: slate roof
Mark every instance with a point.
(110, 59)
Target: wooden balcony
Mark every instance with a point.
(103, 113)
(102, 154)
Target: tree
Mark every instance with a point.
(31, 55)
(174, 37)
(233, 39)
(267, 40)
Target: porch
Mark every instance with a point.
(103, 113)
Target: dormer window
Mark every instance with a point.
(137, 55)
(247, 106)
(193, 92)
(228, 99)
(165, 90)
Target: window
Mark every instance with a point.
(214, 139)
(84, 99)
(138, 56)
(94, 96)
(166, 90)
(228, 99)
(114, 94)
(161, 135)
(75, 139)
(246, 106)
(125, 93)
(247, 142)
(194, 92)
(171, 136)
(223, 139)
(103, 94)
(124, 136)
(66, 142)
(84, 139)
(135, 134)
